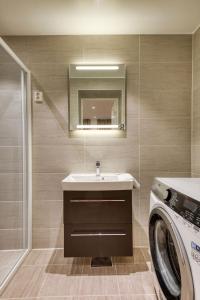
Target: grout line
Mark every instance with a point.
(139, 126)
(115, 267)
(192, 108)
(82, 297)
(42, 285)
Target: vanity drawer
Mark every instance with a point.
(97, 207)
(98, 240)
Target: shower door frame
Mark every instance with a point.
(27, 157)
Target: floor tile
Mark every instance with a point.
(26, 283)
(136, 284)
(137, 257)
(8, 259)
(139, 297)
(128, 269)
(40, 257)
(54, 298)
(99, 285)
(97, 298)
(59, 259)
(146, 254)
(47, 275)
(94, 271)
(61, 280)
(147, 283)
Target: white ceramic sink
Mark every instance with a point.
(104, 182)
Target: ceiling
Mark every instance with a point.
(61, 17)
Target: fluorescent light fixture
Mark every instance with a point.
(97, 126)
(93, 67)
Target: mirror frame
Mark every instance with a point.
(98, 71)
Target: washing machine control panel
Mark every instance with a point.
(185, 206)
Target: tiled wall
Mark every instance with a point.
(158, 117)
(196, 106)
(11, 234)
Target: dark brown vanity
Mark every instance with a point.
(98, 215)
(98, 223)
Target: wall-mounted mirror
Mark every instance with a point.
(97, 96)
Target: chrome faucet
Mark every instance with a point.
(98, 164)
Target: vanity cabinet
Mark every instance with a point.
(98, 223)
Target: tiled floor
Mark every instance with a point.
(8, 259)
(47, 275)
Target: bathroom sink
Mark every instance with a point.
(104, 182)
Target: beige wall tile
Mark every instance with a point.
(11, 187)
(195, 165)
(52, 83)
(11, 214)
(196, 71)
(170, 76)
(54, 43)
(10, 132)
(18, 43)
(165, 103)
(46, 56)
(48, 238)
(195, 175)
(166, 48)
(11, 239)
(49, 69)
(196, 103)
(47, 214)
(121, 159)
(11, 159)
(165, 158)
(196, 131)
(196, 44)
(114, 49)
(58, 159)
(47, 186)
(140, 235)
(165, 131)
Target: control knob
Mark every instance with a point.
(167, 195)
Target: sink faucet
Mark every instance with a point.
(98, 168)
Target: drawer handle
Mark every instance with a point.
(97, 200)
(97, 234)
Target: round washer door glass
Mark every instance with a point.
(165, 258)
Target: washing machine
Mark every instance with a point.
(174, 237)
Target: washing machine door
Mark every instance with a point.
(169, 258)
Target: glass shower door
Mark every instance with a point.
(13, 164)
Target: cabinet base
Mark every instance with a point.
(101, 262)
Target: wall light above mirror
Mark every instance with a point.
(97, 96)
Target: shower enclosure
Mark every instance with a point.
(15, 163)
